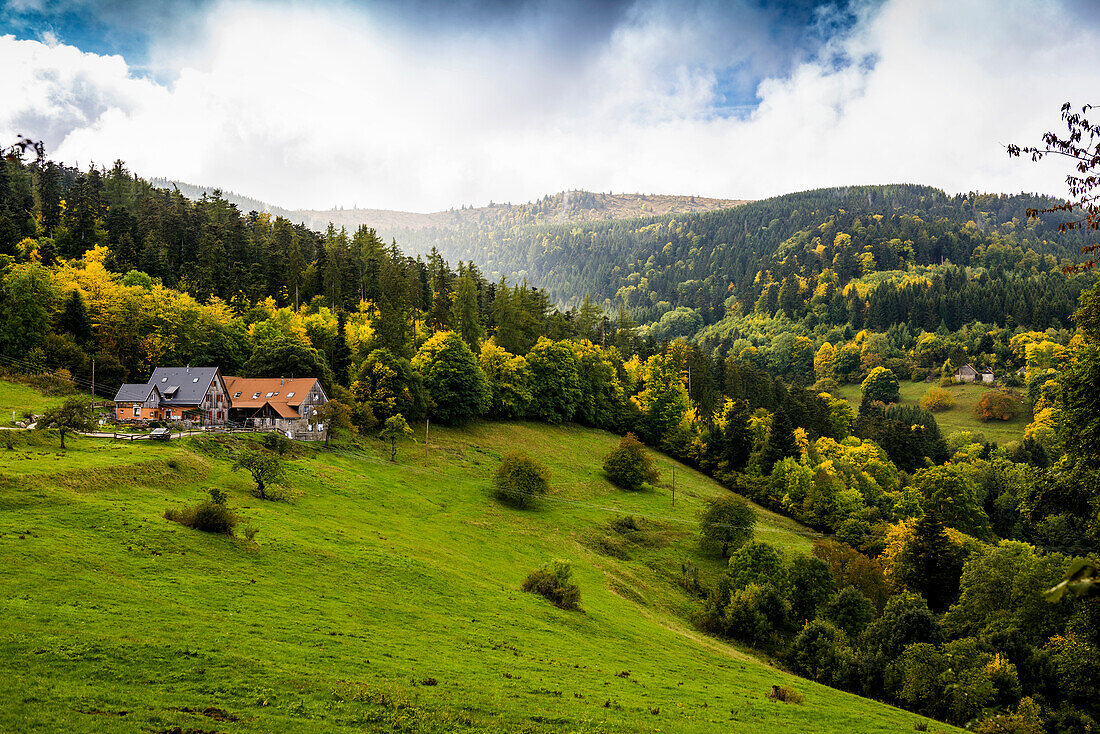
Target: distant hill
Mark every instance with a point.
(563, 207)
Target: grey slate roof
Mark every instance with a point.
(191, 384)
(135, 393)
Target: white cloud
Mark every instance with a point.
(311, 108)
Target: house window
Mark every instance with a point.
(195, 380)
(256, 395)
(237, 395)
(276, 394)
(269, 394)
(137, 411)
(164, 379)
(290, 394)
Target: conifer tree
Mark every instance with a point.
(74, 318)
(780, 442)
(466, 309)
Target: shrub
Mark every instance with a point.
(919, 374)
(277, 443)
(629, 465)
(937, 399)
(785, 694)
(996, 406)
(519, 480)
(881, 384)
(625, 524)
(210, 516)
(554, 583)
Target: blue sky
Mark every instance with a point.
(425, 105)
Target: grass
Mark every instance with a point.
(961, 416)
(20, 398)
(386, 597)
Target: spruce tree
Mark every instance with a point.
(780, 443)
(74, 318)
(935, 563)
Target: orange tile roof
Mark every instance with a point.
(281, 399)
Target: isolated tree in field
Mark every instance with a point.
(520, 480)
(881, 385)
(726, 524)
(936, 399)
(75, 414)
(393, 429)
(335, 416)
(629, 464)
(998, 406)
(264, 467)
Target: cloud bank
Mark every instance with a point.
(311, 108)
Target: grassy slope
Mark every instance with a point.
(20, 398)
(961, 416)
(377, 578)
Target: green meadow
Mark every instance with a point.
(20, 398)
(960, 417)
(382, 597)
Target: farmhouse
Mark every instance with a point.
(987, 375)
(966, 373)
(285, 403)
(174, 394)
(137, 402)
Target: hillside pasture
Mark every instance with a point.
(961, 416)
(385, 597)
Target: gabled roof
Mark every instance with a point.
(191, 384)
(136, 393)
(283, 394)
(281, 409)
(966, 366)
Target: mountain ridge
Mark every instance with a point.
(562, 207)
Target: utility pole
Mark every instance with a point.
(673, 485)
(93, 379)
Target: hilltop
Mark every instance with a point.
(385, 596)
(564, 207)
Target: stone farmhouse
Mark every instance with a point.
(283, 403)
(967, 373)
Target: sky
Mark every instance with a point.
(425, 105)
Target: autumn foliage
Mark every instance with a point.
(996, 406)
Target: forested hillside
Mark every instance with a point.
(656, 264)
(935, 549)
